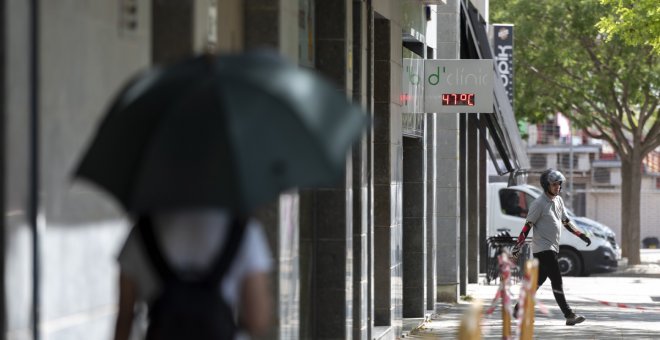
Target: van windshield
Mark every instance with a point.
(515, 202)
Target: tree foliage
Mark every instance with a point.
(607, 87)
(637, 22)
(564, 64)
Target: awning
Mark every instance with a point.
(501, 125)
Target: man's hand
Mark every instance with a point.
(586, 239)
(515, 253)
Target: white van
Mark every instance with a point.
(507, 208)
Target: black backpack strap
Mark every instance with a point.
(219, 266)
(145, 226)
(226, 257)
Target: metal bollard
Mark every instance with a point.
(531, 278)
(470, 328)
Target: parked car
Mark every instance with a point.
(651, 242)
(507, 209)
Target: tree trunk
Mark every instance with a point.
(631, 183)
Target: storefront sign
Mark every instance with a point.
(447, 86)
(412, 97)
(412, 86)
(503, 53)
(452, 86)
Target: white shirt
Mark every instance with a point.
(190, 240)
(547, 215)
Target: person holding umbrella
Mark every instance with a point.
(190, 151)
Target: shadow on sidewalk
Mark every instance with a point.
(602, 323)
(646, 269)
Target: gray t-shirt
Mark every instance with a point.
(547, 215)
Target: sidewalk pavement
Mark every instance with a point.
(635, 288)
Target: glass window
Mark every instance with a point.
(539, 160)
(306, 23)
(515, 202)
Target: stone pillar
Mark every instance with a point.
(270, 24)
(387, 175)
(179, 29)
(447, 194)
(447, 197)
(280, 221)
(326, 224)
(473, 192)
(382, 175)
(263, 22)
(362, 218)
(431, 209)
(171, 31)
(483, 209)
(231, 25)
(3, 173)
(370, 168)
(414, 232)
(462, 176)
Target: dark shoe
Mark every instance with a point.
(574, 319)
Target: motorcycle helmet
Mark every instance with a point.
(551, 176)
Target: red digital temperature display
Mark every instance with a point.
(450, 99)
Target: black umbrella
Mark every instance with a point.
(222, 131)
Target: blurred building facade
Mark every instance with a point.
(404, 230)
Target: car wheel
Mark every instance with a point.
(569, 263)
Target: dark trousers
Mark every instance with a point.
(549, 268)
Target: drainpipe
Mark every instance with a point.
(33, 185)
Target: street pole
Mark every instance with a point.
(570, 166)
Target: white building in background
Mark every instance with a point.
(594, 175)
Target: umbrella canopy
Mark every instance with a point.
(228, 131)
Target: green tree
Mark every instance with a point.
(608, 88)
(637, 22)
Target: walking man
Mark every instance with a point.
(547, 215)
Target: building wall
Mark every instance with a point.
(388, 151)
(583, 163)
(362, 173)
(552, 161)
(230, 25)
(414, 227)
(17, 234)
(86, 53)
(89, 50)
(447, 171)
(260, 25)
(650, 214)
(615, 177)
(605, 206)
(327, 213)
